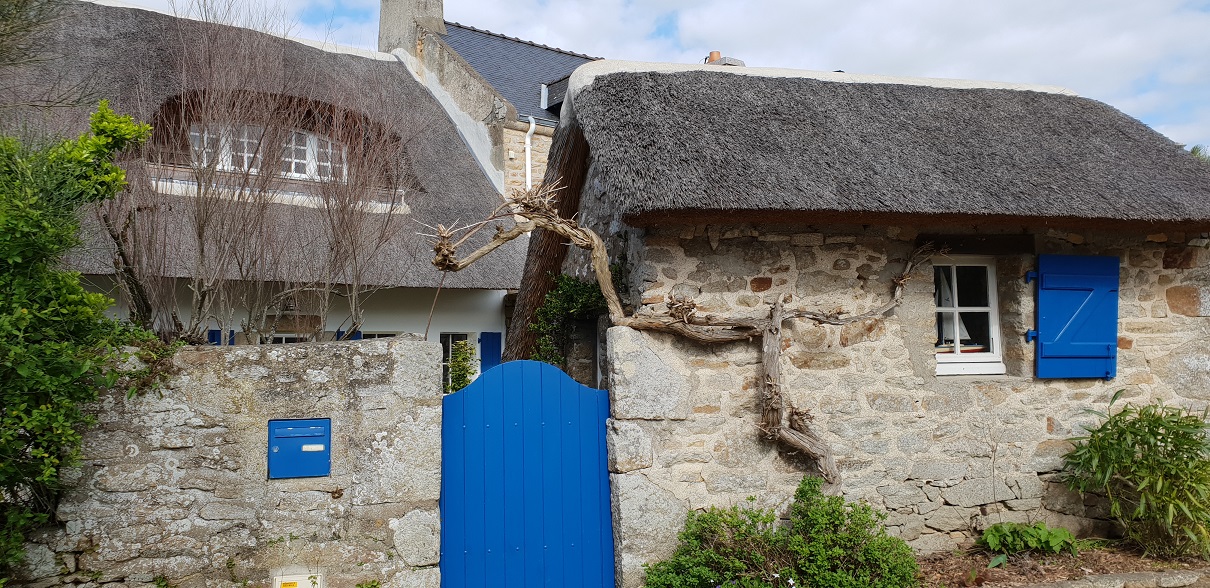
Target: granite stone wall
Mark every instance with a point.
(173, 485)
(945, 456)
(514, 155)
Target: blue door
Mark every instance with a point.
(525, 486)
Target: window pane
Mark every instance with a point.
(972, 285)
(945, 332)
(974, 330)
(943, 286)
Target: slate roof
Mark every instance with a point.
(143, 60)
(515, 68)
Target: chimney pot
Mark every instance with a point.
(714, 56)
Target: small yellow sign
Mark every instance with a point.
(289, 585)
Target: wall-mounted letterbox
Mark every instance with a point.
(300, 448)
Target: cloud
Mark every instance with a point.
(1150, 59)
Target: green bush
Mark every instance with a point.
(828, 543)
(462, 366)
(1013, 538)
(55, 341)
(1153, 464)
(569, 300)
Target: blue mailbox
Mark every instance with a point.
(300, 448)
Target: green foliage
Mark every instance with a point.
(55, 341)
(569, 300)
(369, 584)
(1200, 152)
(828, 543)
(462, 366)
(1153, 464)
(1014, 538)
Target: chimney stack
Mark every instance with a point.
(399, 19)
(716, 58)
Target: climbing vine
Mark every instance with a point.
(462, 366)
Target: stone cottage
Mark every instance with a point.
(1069, 261)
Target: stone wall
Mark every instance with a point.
(173, 484)
(944, 455)
(514, 155)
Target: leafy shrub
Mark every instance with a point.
(1017, 538)
(828, 543)
(55, 341)
(1153, 464)
(462, 366)
(569, 300)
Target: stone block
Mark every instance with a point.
(862, 331)
(648, 519)
(890, 402)
(820, 361)
(1048, 457)
(1188, 300)
(1186, 370)
(933, 543)
(978, 492)
(629, 446)
(949, 518)
(1181, 257)
(417, 537)
(642, 384)
(901, 495)
(930, 470)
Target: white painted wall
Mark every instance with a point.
(390, 310)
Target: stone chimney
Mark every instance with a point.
(398, 20)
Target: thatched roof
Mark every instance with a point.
(659, 143)
(142, 61)
(715, 141)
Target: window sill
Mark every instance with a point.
(971, 369)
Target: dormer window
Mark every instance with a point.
(304, 155)
(226, 148)
(310, 156)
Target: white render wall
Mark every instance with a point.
(390, 310)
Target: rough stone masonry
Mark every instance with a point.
(173, 484)
(945, 456)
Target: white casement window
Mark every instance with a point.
(310, 156)
(304, 155)
(968, 318)
(226, 148)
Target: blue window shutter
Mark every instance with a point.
(1077, 333)
(489, 351)
(231, 337)
(339, 334)
(356, 336)
(214, 337)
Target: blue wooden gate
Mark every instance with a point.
(524, 482)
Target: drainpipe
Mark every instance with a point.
(529, 175)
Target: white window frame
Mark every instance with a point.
(978, 363)
(219, 146)
(316, 148)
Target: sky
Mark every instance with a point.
(1148, 58)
